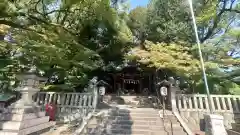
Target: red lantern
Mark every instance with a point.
(51, 111)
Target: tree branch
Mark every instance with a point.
(15, 25)
(232, 10)
(232, 2)
(216, 20)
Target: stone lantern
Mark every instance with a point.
(24, 117)
(29, 85)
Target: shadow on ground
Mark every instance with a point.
(146, 101)
(114, 99)
(119, 121)
(112, 120)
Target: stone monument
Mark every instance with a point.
(214, 125)
(24, 116)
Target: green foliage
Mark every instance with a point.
(8, 67)
(72, 38)
(58, 88)
(137, 22)
(64, 38)
(171, 56)
(169, 21)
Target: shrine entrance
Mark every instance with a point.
(132, 86)
(131, 81)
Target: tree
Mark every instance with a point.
(216, 17)
(67, 39)
(169, 22)
(137, 24)
(171, 56)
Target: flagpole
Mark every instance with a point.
(200, 55)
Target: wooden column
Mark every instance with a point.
(149, 83)
(140, 85)
(114, 83)
(122, 83)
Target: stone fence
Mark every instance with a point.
(192, 107)
(70, 106)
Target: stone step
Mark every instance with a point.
(154, 115)
(19, 117)
(22, 110)
(151, 133)
(159, 133)
(145, 127)
(135, 132)
(136, 111)
(137, 126)
(142, 132)
(16, 125)
(173, 119)
(143, 120)
(134, 118)
(149, 123)
(142, 117)
(135, 115)
(28, 130)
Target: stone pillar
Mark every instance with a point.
(173, 98)
(214, 125)
(172, 93)
(95, 97)
(25, 117)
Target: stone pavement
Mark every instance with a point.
(57, 130)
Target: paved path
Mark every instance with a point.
(199, 133)
(57, 130)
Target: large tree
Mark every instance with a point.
(169, 23)
(64, 38)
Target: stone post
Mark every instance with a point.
(94, 90)
(28, 87)
(173, 89)
(95, 97)
(214, 125)
(173, 98)
(25, 117)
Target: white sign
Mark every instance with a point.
(102, 90)
(163, 91)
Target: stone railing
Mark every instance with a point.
(175, 111)
(192, 107)
(70, 106)
(220, 103)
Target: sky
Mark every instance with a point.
(135, 3)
